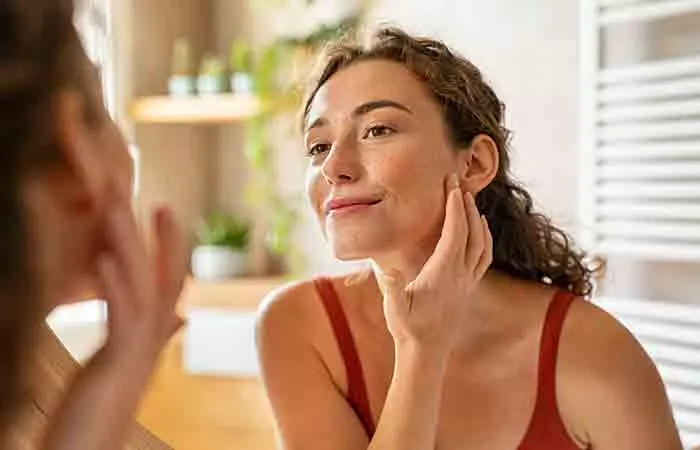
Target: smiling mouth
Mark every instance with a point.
(342, 207)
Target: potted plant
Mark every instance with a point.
(182, 81)
(212, 76)
(222, 241)
(241, 62)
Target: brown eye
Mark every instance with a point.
(377, 131)
(317, 149)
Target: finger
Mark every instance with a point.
(178, 323)
(391, 282)
(453, 238)
(487, 255)
(126, 243)
(113, 287)
(170, 254)
(393, 286)
(475, 240)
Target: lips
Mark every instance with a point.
(345, 203)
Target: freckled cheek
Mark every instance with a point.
(411, 178)
(316, 191)
(417, 190)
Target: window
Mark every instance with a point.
(93, 20)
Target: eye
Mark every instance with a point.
(317, 149)
(378, 131)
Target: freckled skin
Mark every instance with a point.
(399, 156)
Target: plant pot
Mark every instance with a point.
(216, 263)
(242, 83)
(182, 85)
(211, 84)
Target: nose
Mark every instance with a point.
(342, 163)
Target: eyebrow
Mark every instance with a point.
(363, 109)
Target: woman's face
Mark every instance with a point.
(378, 153)
(67, 205)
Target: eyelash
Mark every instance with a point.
(313, 152)
(386, 130)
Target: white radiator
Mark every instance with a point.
(670, 333)
(640, 141)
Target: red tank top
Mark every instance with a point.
(546, 429)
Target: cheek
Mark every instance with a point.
(316, 190)
(415, 175)
(416, 181)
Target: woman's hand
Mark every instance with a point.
(141, 291)
(141, 288)
(428, 312)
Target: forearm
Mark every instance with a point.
(410, 416)
(97, 411)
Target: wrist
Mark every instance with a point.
(130, 363)
(420, 355)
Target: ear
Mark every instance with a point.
(478, 164)
(83, 174)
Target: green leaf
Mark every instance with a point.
(212, 65)
(241, 57)
(223, 230)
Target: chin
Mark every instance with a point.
(346, 256)
(353, 240)
(357, 248)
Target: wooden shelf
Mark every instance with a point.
(224, 108)
(237, 293)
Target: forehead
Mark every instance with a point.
(366, 81)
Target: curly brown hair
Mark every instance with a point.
(526, 244)
(40, 53)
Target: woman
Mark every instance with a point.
(67, 229)
(470, 331)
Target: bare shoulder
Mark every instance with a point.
(289, 299)
(609, 387)
(299, 360)
(288, 311)
(599, 347)
(297, 308)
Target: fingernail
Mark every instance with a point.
(454, 181)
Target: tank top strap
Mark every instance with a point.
(357, 388)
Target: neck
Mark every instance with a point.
(492, 286)
(408, 260)
(487, 313)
